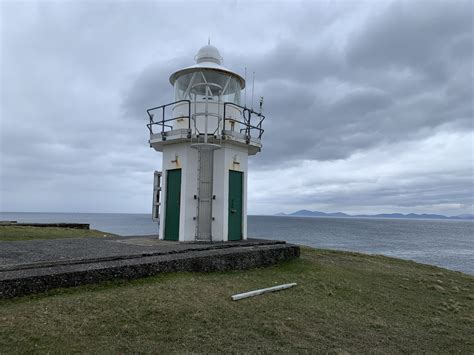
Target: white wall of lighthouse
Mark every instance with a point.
(182, 156)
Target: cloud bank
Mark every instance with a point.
(369, 105)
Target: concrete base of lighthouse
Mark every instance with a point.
(183, 159)
(39, 265)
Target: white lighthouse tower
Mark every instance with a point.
(206, 136)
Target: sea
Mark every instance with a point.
(445, 243)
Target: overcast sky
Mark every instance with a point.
(369, 105)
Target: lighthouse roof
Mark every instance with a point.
(208, 57)
(208, 54)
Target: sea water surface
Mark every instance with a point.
(445, 243)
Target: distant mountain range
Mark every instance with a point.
(306, 213)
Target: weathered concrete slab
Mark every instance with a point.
(56, 225)
(36, 266)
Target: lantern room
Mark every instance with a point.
(207, 80)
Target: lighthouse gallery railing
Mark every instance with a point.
(245, 123)
(247, 113)
(164, 121)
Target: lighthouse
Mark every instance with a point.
(206, 136)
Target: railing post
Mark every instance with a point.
(189, 120)
(224, 119)
(163, 123)
(150, 125)
(247, 124)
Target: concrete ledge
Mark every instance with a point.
(2, 223)
(57, 225)
(44, 277)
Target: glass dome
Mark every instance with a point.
(208, 85)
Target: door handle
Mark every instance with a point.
(233, 210)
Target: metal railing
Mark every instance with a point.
(244, 122)
(164, 121)
(248, 128)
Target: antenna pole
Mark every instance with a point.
(245, 91)
(253, 86)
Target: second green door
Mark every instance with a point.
(235, 204)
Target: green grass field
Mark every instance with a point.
(344, 302)
(13, 233)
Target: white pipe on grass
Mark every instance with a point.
(240, 296)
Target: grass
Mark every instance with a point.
(14, 233)
(344, 302)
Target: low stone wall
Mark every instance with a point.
(39, 279)
(57, 225)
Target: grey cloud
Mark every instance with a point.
(292, 61)
(151, 88)
(410, 41)
(359, 103)
(411, 34)
(360, 187)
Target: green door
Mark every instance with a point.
(173, 196)
(235, 204)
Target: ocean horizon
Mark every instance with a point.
(446, 243)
